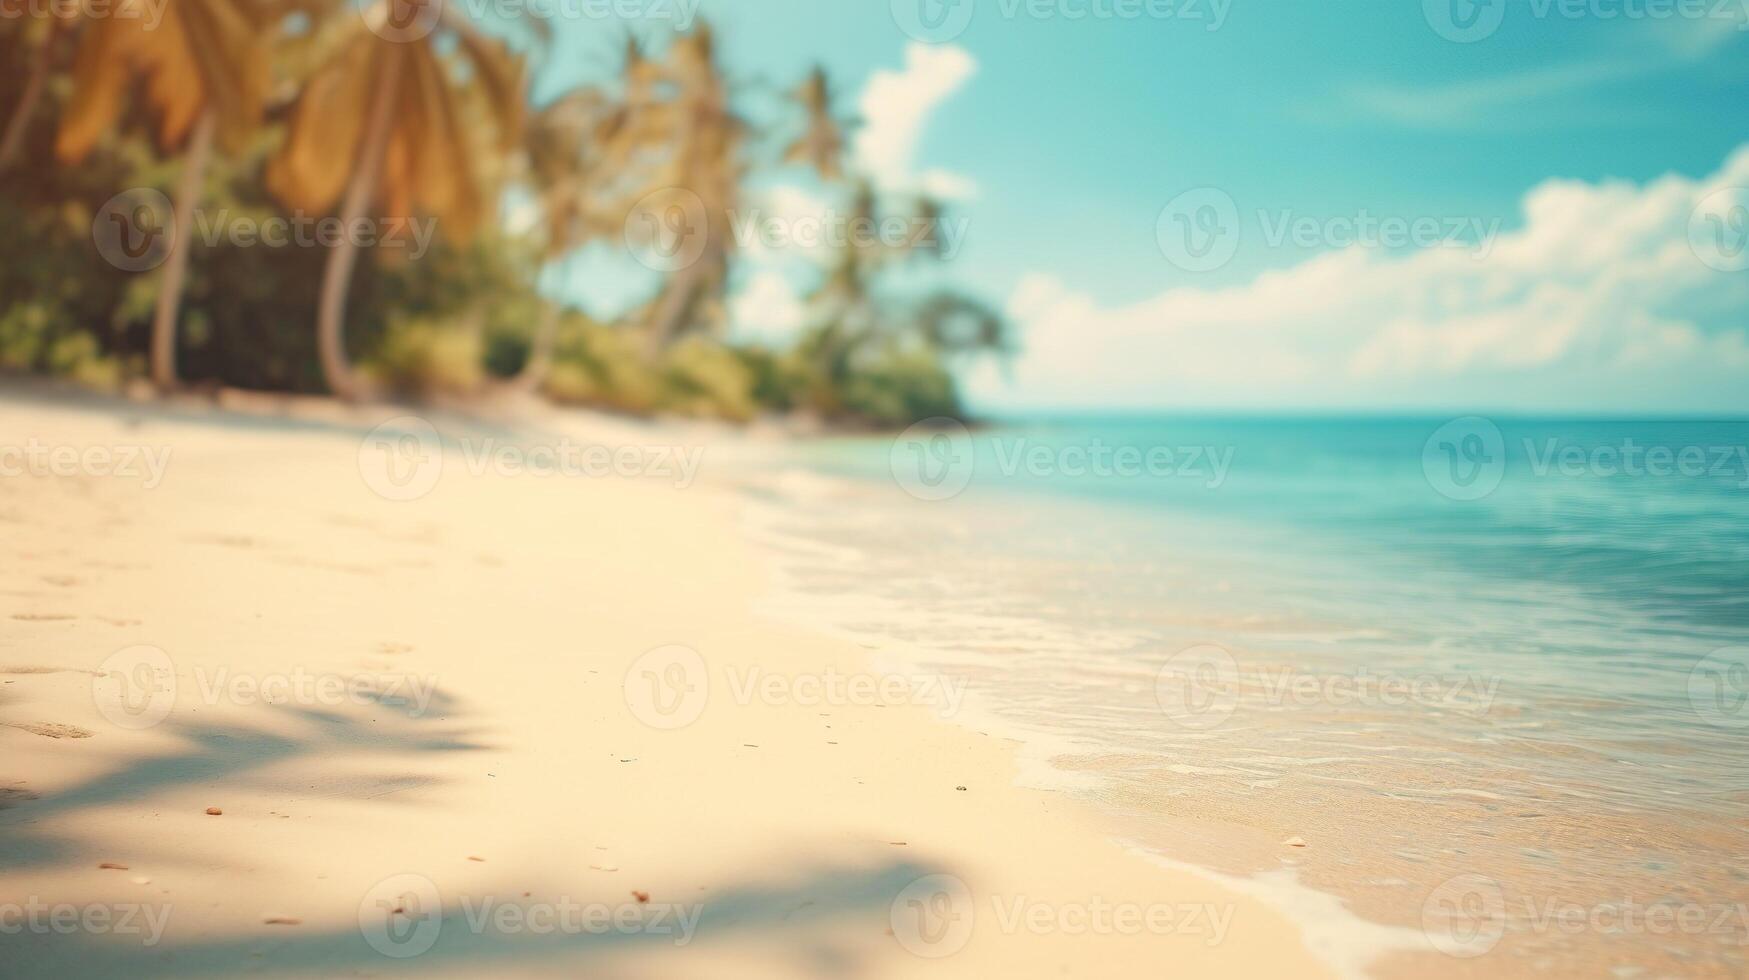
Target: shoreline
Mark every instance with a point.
(798, 830)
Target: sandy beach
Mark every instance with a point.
(259, 718)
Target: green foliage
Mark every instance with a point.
(451, 321)
(424, 357)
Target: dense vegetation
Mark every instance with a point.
(312, 111)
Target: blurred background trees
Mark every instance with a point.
(246, 110)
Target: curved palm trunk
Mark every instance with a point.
(163, 353)
(28, 99)
(337, 277)
(676, 305)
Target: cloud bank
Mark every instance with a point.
(1610, 296)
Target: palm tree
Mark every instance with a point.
(821, 144)
(583, 151)
(203, 71)
(39, 36)
(385, 118)
(707, 160)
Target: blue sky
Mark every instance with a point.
(1615, 121)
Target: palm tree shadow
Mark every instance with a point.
(210, 753)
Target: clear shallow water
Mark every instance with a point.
(1540, 692)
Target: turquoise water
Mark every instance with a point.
(1530, 637)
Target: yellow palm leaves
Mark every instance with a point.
(201, 55)
(431, 160)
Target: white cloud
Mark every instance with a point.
(1598, 300)
(895, 107)
(766, 308)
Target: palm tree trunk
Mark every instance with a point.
(540, 351)
(675, 305)
(27, 101)
(337, 277)
(194, 164)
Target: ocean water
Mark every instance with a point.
(1493, 673)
